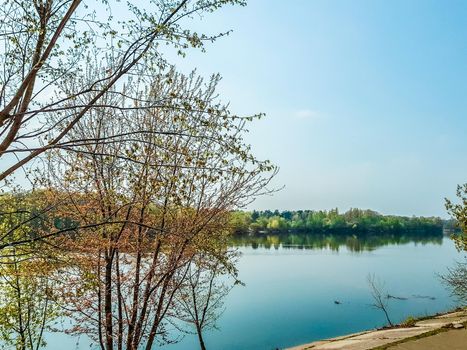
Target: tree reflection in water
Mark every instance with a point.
(334, 242)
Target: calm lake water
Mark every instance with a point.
(292, 283)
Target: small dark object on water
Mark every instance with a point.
(423, 297)
(337, 302)
(394, 297)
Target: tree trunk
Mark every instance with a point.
(200, 338)
(387, 317)
(108, 303)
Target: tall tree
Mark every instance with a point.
(146, 204)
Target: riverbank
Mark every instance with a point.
(447, 331)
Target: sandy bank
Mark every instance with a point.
(427, 334)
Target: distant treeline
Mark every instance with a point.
(27, 206)
(352, 221)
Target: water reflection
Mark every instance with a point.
(317, 241)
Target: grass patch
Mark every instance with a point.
(409, 322)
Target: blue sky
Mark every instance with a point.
(365, 100)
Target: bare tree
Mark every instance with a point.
(456, 280)
(200, 300)
(380, 301)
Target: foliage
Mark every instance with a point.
(24, 215)
(48, 43)
(352, 221)
(27, 302)
(410, 321)
(138, 166)
(459, 213)
(147, 206)
(456, 277)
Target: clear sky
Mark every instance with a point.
(366, 100)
